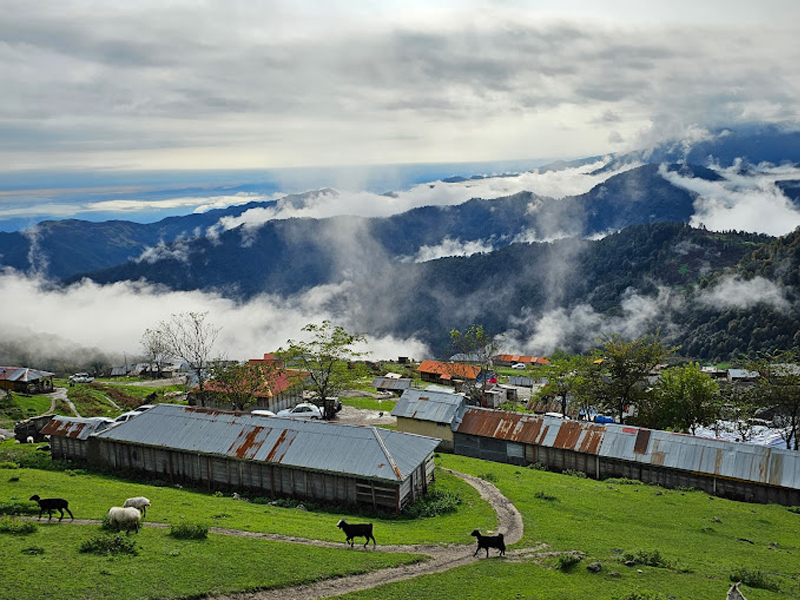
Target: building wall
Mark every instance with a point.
(430, 429)
(219, 472)
(599, 467)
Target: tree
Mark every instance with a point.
(565, 375)
(685, 398)
(154, 348)
(618, 378)
(740, 405)
(189, 337)
(477, 347)
(326, 358)
(778, 386)
(242, 383)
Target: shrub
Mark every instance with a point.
(643, 557)
(622, 481)
(488, 477)
(7, 464)
(574, 473)
(189, 531)
(794, 509)
(754, 578)
(109, 544)
(433, 504)
(537, 466)
(567, 561)
(33, 550)
(544, 496)
(13, 526)
(19, 508)
(639, 596)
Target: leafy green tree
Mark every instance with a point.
(327, 358)
(618, 377)
(566, 376)
(778, 386)
(684, 398)
(242, 383)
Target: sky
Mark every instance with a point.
(117, 86)
(105, 105)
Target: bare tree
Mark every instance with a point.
(189, 337)
(477, 347)
(154, 348)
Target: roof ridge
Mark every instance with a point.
(387, 454)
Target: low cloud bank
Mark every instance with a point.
(113, 318)
(733, 292)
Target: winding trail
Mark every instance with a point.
(443, 557)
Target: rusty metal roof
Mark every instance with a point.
(75, 427)
(426, 405)
(720, 458)
(22, 374)
(449, 370)
(368, 452)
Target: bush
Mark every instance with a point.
(433, 504)
(643, 557)
(544, 496)
(639, 596)
(754, 578)
(7, 464)
(537, 466)
(623, 481)
(19, 508)
(488, 477)
(33, 550)
(189, 531)
(13, 526)
(567, 561)
(574, 473)
(110, 544)
(794, 509)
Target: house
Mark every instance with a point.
(506, 360)
(270, 456)
(282, 388)
(741, 376)
(434, 414)
(447, 373)
(734, 470)
(393, 385)
(26, 380)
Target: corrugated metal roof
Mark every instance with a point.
(425, 405)
(391, 383)
(75, 427)
(367, 452)
(22, 374)
(449, 370)
(720, 458)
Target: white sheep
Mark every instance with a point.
(124, 518)
(29, 439)
(139, 502)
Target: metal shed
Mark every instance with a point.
(275, 456)
(430, 413)
(69, 435)
(736, 470)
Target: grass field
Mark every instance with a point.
(684, 545)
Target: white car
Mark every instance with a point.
(262, 412)
(518, 366)
(81, 378)
(304, 410)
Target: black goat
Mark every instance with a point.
(51, 504)
(489, 541)
(357, 530)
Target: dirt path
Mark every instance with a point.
(442, 557)
(60, 393)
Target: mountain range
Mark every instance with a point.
(547, 272)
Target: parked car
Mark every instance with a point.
(81, 378)
(304, 410)
(263, 412)
(126, 416)
(518, 366)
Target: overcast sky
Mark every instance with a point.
(224, 84)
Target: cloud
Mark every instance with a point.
(733, 292)
(177, 85)
(747, 201)
(327, 203)
(580, 328)
(114, 317)
(451, 247)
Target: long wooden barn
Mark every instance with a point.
(69, 436)
(313, 460)
(734, 470)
